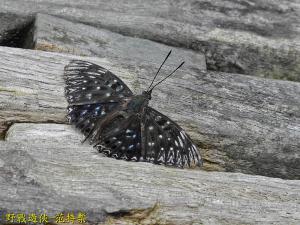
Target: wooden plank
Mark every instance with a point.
(240, 123)
(13, 29)
(59, 35)
(62, 175)
(251, 37)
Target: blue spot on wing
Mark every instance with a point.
(85, 116)
(97, 110)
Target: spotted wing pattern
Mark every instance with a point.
(90, 83)
(121, 139)
(92, 92)
(165, 142)
(98, 102)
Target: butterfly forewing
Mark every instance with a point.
(166, 143)
(86, 116)
(90, 83)
(92, 92)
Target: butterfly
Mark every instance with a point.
(123, 125)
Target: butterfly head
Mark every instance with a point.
(147, 94)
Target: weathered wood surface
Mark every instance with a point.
(253, 37)
(13, 28)
(59, 35)
(240, 123)
(63, 175)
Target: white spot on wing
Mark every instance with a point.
(176, 143)
(151, 144)
(180, 142)
(89, 95)
(119, 88)
(183, 135)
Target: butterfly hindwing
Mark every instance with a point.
(122, 139)
(165, 142)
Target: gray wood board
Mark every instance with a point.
(45, 168)
(240, 123)
(59, 35)
(12, 29)
(251, 37)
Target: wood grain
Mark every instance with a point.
(60, 35)
(250, 37)
(240, 123)
(62, 175)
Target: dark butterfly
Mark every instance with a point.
(121, 124)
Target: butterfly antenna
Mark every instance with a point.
(159, 69)
(167, 76)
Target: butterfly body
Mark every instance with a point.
(138, 102)
(123, 125)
